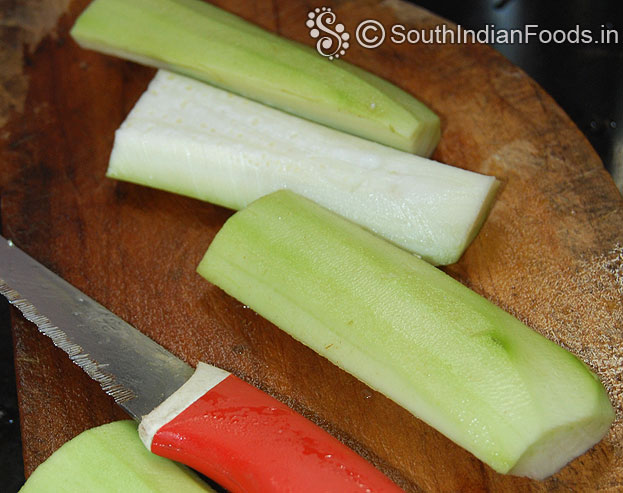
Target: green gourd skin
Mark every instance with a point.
(197, 39)
(510, 396)
(111, 458)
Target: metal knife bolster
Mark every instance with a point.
(136, 371)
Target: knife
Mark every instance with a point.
(207, 418)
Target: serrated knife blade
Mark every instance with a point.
(207, 419)
(137, 372)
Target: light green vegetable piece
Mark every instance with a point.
(202, 41)
(516, 400)
(108, 459)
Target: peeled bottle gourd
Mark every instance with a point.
(511, 397)
(197, 39)
(111, 458)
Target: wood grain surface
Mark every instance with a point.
(550, 253)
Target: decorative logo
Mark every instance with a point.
(335, 42)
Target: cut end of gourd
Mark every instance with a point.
(478, 221)
(109, 458)
(556, 448)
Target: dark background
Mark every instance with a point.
(585, 80)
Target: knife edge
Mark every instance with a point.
(129, 366)
(75, 352)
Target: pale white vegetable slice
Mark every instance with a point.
(510, 396)
(194, 139)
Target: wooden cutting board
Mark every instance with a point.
(550, 253)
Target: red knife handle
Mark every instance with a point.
(247, 441)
